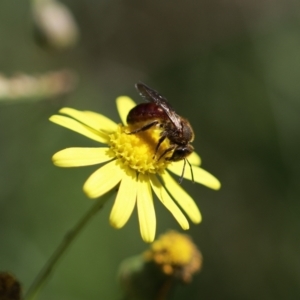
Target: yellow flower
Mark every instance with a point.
(131, 164)
(175, 255)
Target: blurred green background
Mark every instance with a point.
(233, 69)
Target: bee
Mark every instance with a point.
(158, 112)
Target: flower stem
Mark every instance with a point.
(46, 271)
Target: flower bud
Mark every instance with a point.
(170, 260)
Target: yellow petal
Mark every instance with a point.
(82, 117)
(105, 124)
(125, 200)
(182, 198)
(178, 167)
(146, 210)
(168, 202)
(200, 176)
(124, 105)
(79, 128)
(103, 180)
(76, 157)
(194, 159)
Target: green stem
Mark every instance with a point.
(65, 244)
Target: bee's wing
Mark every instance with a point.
(151, 95)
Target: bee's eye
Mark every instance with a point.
(188, 133)
(181, 152)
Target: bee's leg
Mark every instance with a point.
(192, 173)
(143, 128)
(166, 151)
(161, 139)
(183, 169)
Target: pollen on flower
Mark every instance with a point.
(137, 151)
(176, 255)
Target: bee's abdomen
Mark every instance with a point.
(145, 112)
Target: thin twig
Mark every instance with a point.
(65, 244)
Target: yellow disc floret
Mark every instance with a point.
(137, 150)
(176, 255)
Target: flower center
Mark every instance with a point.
(138, 150)
(176, 255)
